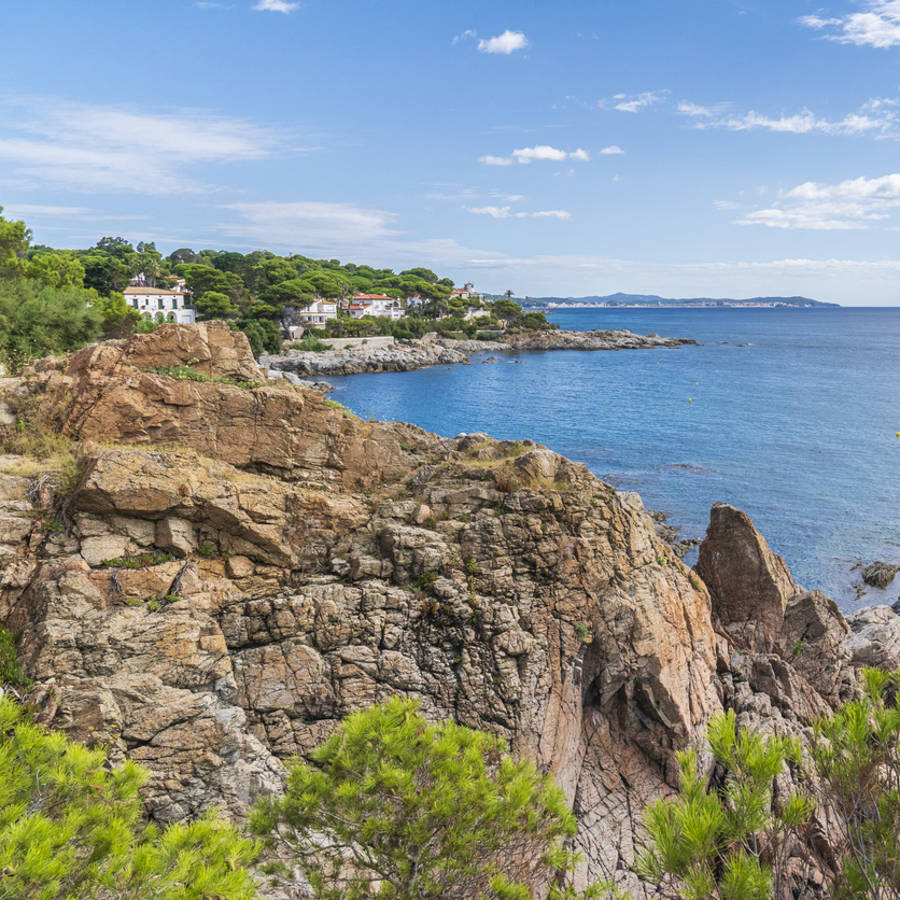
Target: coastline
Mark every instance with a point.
(318, 560)
(405, 356)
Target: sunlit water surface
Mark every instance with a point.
(790, 415)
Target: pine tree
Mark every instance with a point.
(712, 841)
(856, 752)
(71, 829)
(394, 807)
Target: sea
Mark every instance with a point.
(789, 414)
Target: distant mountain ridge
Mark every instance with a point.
(638, 300)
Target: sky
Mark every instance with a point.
(724, 148)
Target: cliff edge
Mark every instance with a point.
(225, 567)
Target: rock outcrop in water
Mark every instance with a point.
(238, 567)
(403, 356)
(879, 574)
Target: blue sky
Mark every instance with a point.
(695, 148)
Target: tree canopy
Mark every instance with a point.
(49, 298)
(395, 807)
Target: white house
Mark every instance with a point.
(319, 312)
(376, 305)
(174, 305)
(467, 292)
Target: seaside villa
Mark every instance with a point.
(467, 292)
(175, 306)
(318, 312)
(375, 305)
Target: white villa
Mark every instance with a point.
(319, 312)
(174, 305)
(376, 305)
(467, 292)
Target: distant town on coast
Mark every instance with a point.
(643, 300)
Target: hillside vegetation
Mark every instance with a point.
(54, 301)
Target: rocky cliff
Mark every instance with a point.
(232, 565)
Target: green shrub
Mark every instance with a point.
(37, 320)
(425, 582)
(264, 335)
(310, 342)
(855, 752)
(10, 668)
(141, 561)
(71, 826)
(716, 842)
(584, 633)
(186, 373)
(430, 811)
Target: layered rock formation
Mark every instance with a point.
(239, 565)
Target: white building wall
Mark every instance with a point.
(169, 304)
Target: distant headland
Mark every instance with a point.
(643, 300)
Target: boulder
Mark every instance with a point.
(879, 574)
(176, 536)
(750, 585)
(874, 638)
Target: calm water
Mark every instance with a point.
(794, 420)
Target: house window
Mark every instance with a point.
(160, 302)
(134, 303)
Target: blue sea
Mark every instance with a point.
(790, 415)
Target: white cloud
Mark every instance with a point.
(725, 204)
(92, 148)
(877, 26)
(310, 224)
(281, 6)
(527, 155)
(612, 150)
(852, 205)
(32, 210)
(496, 212)
(465, 35)
(876, 117)
(505, 43)
(505, 212)
(636, 102)
(694, 109)
(495, 160)
(542, 152)
(370, 238)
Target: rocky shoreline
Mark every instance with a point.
(236, 565)
(404, 356)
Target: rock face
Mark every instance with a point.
(240, 567)
(874, 638)
(399, 357)
(749, 584)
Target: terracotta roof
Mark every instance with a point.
(372, 297)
